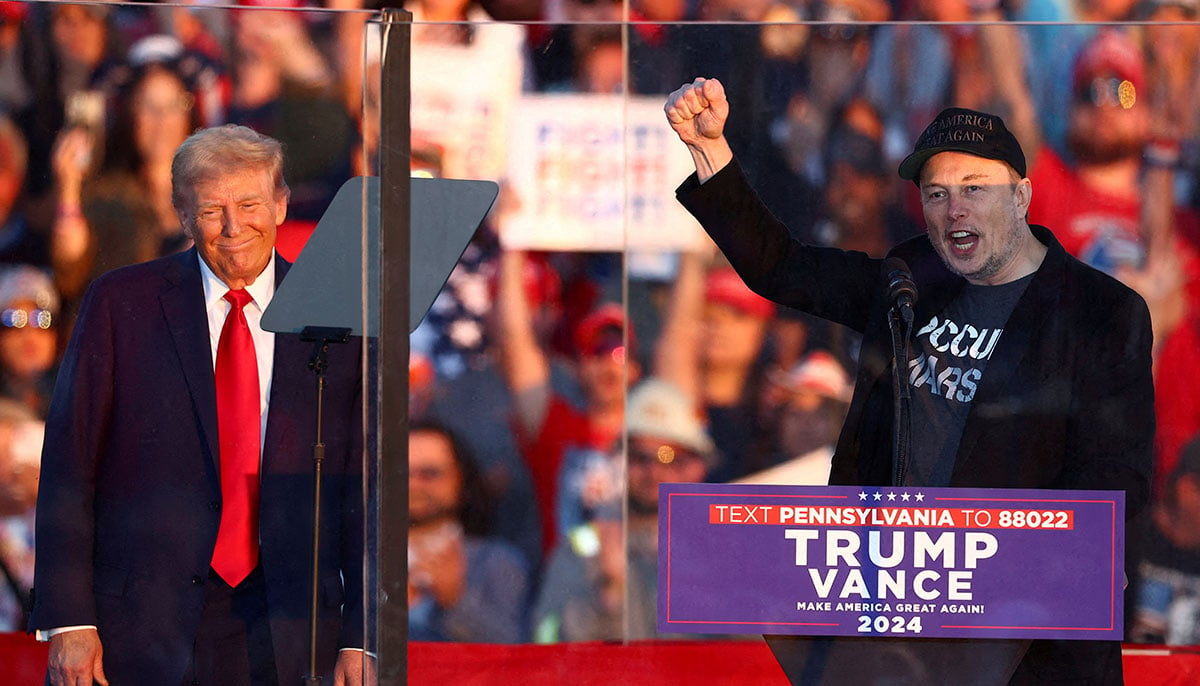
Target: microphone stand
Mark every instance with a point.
(900, 319)
(321, 336)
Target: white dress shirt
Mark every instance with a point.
(262, 290)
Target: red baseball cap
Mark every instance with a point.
(1109, 53)
(723, 285)
(602, 331)
(14, 12)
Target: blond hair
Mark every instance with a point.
(219, 149)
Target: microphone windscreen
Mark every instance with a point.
(898, 279)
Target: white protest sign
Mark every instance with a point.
(595, 172)
(462, 96)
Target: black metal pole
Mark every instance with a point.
(901, 328)
(321, 337)
(318, 459)
(391, 516)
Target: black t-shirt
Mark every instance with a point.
(951, 351)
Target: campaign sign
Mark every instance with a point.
(887, 561)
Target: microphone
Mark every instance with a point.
(901, 292)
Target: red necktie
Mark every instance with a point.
(238, 426)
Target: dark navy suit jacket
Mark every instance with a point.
(130, 497)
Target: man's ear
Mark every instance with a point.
(184, 223)
(1024, 191)
(1187, 489)
(281, 203)
(633, 370)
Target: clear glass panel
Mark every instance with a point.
(96, 100)
(821, 116)
(586, 280)
(522, 357)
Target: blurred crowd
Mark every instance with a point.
(552, 391)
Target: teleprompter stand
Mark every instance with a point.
(336, 289)
(321, 337)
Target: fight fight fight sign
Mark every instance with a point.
(911, 562)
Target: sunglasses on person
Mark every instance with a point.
(20, 318)
(839, 33)
(1107, 91)
(428, 473)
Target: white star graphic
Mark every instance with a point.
(878, 495)
(920, 497)
(891, 496)
(862, 495)
(904, 497)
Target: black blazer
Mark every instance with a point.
(130, 498)
(1067, 400)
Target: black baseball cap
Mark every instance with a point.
(962, 130)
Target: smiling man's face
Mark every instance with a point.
(233, 218)
(975, 216)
